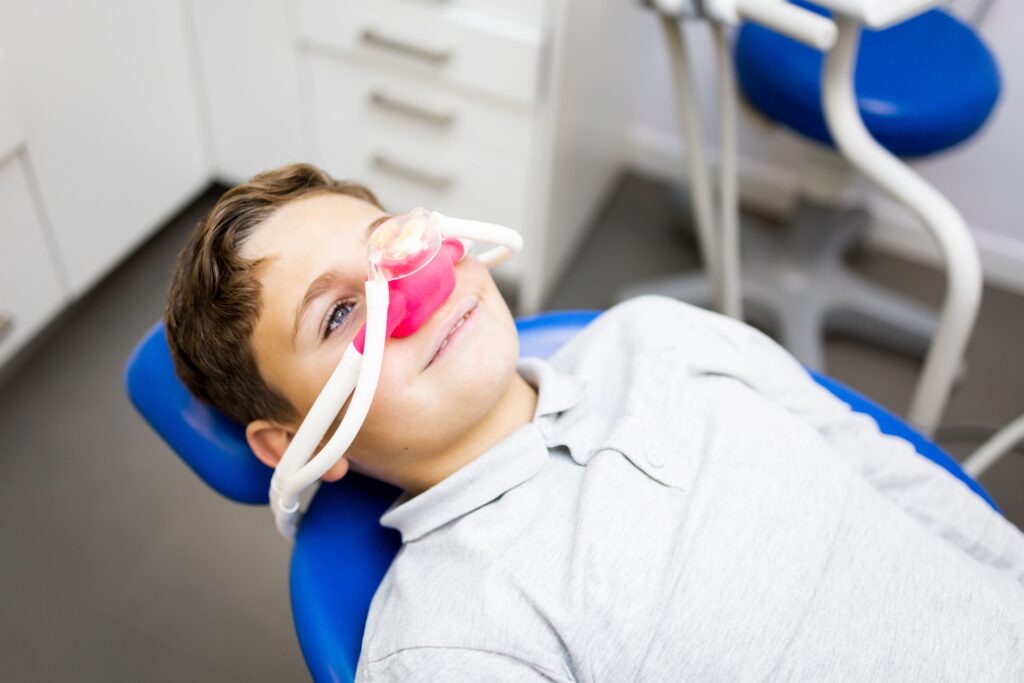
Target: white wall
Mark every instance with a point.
(984, 177)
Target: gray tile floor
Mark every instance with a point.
(118, 565)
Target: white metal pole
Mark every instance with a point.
(700, 183)
(996, 447)
(730, 283)
(940, 217)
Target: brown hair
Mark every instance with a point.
(214, 297)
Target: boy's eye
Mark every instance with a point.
(337, 315)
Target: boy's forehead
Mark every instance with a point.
(307, 222)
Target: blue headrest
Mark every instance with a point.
(212, 445)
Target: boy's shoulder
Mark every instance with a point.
(640, 357)
(655, 325)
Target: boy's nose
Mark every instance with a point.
(413, 299)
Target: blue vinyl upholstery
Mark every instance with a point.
(922, 86)
(211, 444)
(341, 552)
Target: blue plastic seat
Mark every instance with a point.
(922, 86)
(341, 552)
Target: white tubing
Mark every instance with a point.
(334, 394)
(286, 512)
(700, 184)
(992, 450)
(939, 216)
(796, 22)
(508, 240)
(730, 284)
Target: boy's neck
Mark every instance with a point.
(515, 409)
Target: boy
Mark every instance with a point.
(670, 498)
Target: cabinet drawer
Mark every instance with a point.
(433, 42)
(356, 98)
(11, 133)
(406, 171)
(30, 292)
(532, 12)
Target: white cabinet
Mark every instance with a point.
(12, 134)
(506, 111)
(248, 72)
(460, 47)
(112, 122)
(31, 290)
(414, 144)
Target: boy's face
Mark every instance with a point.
(312, 293)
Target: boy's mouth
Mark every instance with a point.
(460, 316)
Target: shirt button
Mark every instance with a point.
(655, 457)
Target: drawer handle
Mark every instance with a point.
(407, 172)
(434, 56)
(6, 325)
(437, 118)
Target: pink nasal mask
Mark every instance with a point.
(419, 267)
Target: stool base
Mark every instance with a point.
(796, 281)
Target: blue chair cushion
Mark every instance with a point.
(922, 86)
(211, 444)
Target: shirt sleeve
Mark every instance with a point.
(926, 491)
(455, 665)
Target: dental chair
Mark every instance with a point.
(341, 552)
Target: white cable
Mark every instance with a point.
(508, 240)
(334, 394)
(731, 284)
(996, 447)
(700, 183)
(939, 216)
(286, 512)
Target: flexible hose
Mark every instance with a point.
(286, 512)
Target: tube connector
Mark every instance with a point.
(781, 16)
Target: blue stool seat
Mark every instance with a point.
(922, 86)
(341, 552)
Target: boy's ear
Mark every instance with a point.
(268, 440)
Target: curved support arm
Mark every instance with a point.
(940, 217)
(780, 16)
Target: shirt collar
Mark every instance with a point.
(507, 464)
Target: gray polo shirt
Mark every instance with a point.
(688, 505)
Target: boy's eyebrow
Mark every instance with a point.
(324, 282)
